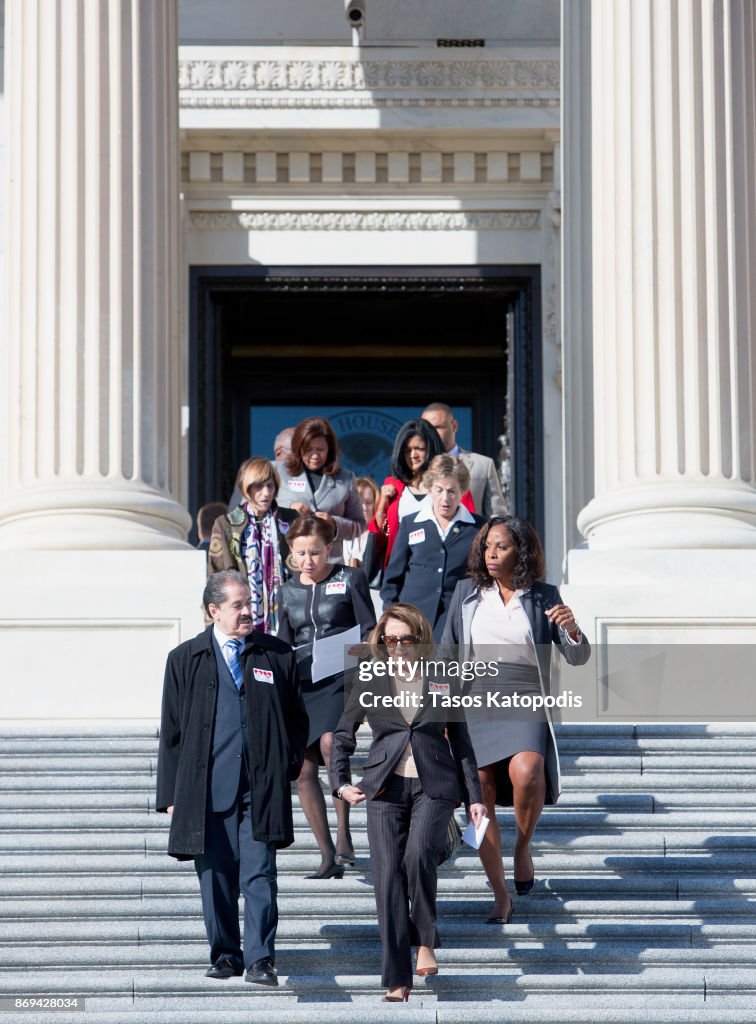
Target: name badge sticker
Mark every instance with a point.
(417, 537)
(438, 687)
(336, 587)
(263, 675)
(295, 485)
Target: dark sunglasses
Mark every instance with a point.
(392, 641)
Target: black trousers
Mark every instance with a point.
(407, 836)
(235, 861)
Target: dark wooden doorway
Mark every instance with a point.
(469, 336)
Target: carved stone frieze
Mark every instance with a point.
(361, 75)
(352, 101)
(370, 220)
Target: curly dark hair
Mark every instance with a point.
(433, 443)
(530, 560)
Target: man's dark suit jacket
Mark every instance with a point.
(277, 726)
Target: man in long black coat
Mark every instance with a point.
(232, 739)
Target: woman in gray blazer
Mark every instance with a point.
(311, 481)
(503, 613)
(419, 767)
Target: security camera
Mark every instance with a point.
(355, 12)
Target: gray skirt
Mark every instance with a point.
(498, 733)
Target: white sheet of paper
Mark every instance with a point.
(474, 836)
(328, 654)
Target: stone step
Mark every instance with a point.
(336, 954)
(362, 905)
(147, 842)
(33, 822)
(660, 802)
(556, 862)
(496, 981)
(65, 767)
(423, 1008)
(670, 779)
(457, 930)
(465, 881)
(596, 740)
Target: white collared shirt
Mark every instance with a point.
(222, 640)
(426, 514)
(496, 623)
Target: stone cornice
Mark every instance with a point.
(365, 220)
(338, 81)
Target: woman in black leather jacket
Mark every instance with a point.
(322, 601)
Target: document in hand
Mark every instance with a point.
(474, 836)
(328, 654)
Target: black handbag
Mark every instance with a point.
(372, 559)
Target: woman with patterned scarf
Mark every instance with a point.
(252, 539)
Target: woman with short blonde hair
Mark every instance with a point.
(446, 465)
(430, 554)
(252, 539)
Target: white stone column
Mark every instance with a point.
(674, 283)
(576, 292)
(92, 388)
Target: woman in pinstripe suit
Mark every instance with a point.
(418, 769)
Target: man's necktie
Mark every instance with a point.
(234, 662)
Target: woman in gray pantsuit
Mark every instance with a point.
(417, 770)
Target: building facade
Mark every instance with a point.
(222, 212)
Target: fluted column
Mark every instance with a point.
(92, 382)
(674, 285)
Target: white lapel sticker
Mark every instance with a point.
(336, 587)
(263, 675)
(296, 485)
(417, 537)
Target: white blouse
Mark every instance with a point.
(495, 623)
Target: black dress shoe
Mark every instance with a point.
(224, 967)
(262, 972)
(334, 870)
(501, 920)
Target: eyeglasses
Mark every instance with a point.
(407, 640)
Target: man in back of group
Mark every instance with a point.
(205, 519)
(485, 485)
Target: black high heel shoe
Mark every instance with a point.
(334, 871)
(501, 920)
(523, 887)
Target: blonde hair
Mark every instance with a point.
(447, 465)
(255, 471)
(367, 481)
(412, 618)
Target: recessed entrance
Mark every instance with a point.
(365, 343)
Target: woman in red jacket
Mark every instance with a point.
(417, 442)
